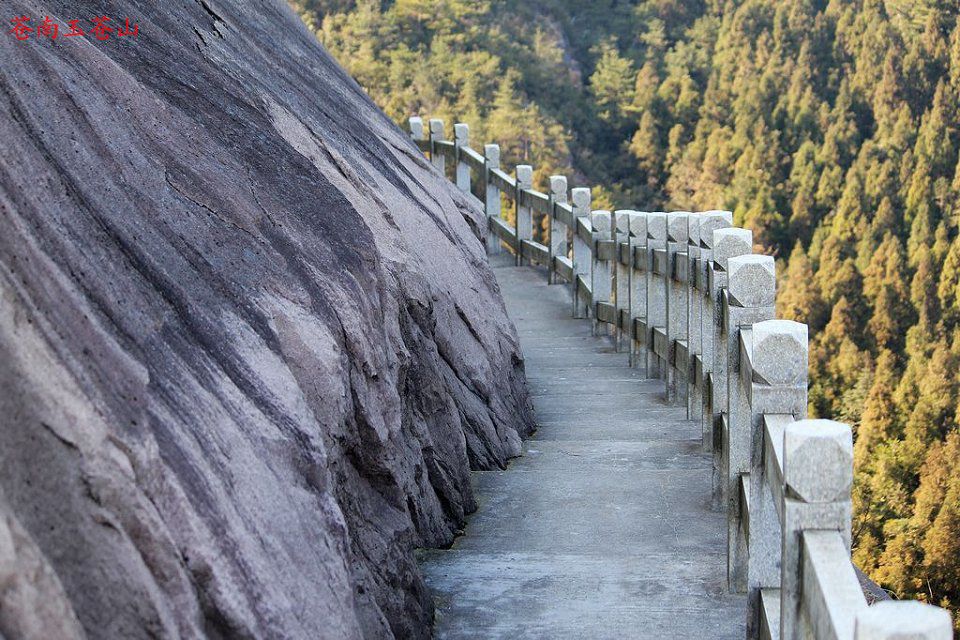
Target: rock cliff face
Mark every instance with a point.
(249, 343)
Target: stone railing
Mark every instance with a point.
(684, 293)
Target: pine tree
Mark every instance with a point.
(612, 85)
(885, 285)
(646, 147)
(799, 297)
(878, 426)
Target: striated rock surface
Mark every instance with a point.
(249, 343)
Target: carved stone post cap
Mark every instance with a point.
(637, 224)
(461, 134)
(492, 153)
(694, 220)
(622, 219)
(721, 213)
(677, 226)
(436, 128)
(710, 221)
(524, 176)
(903, 620)
(751, 281)
(558, 188)
(416, 128)
(581, 197)
(657, 225)
(780, 353)
(600, 221)
(729, 243)
(818, 460)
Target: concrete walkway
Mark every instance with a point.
(603, 528)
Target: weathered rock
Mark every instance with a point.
(249, 343)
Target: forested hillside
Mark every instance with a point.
(829, 128)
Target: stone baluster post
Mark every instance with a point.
(417, 132)
(621, 275)
(818, 477)
(524, 217)
(694, 313)
(903, 620)
(638, 287)
(461, 136)
(676, 327)
(582, 251)
(656, 291)
(600, 276)
(491, 153)
(777, 386)
(751, 287)
(710, 222)
(436, 135)
(558, 230)
(727, 243)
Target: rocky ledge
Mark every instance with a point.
(250, 346)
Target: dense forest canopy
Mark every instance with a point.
(829, 127)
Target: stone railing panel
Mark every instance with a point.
(694, 319)
(818, 477)
(437, 135)
(638, 287)
(491, 152)
(558, 230)
(524, 217)
(709, 322)
(727, 243)
(582, 251)
(656, 291)
(621, 277)
(748, 299)
(461, 136)
(600, 273)
(773, 376)
(676, 322)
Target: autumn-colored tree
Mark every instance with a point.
(799, 298)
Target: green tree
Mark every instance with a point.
(612, 86)
(799, 298)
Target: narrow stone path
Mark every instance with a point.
(603, 528)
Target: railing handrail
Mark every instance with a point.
(696, 306)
